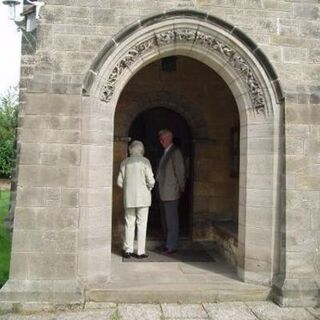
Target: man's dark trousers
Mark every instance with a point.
(171, 227)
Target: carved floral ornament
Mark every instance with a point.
(192, 36)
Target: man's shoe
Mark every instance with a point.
(170, 251)
(142, 256)
(162, 249)
(126, 255)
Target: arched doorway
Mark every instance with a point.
(257, 93)
(145, 128)
(196, 104)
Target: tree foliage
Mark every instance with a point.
(8, 131)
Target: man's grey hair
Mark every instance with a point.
(165, 132)
(136, 148)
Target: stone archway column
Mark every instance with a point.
(259, 200)
(95, 199)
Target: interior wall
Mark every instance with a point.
(198, 91)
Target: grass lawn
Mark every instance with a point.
(5, 243)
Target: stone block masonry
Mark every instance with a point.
(63, 205)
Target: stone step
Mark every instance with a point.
(175, 281)
(173, 293)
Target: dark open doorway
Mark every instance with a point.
(145, 128)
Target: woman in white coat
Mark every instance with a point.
(137, 180)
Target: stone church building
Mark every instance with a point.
(237, 81)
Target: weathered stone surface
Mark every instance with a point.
(314, 55)
(229, 310)
(139, 311)
(93, 43)
(302, 199)
(52, 104)
(270, 311)
(95, 155)
(306, 11)
(108, 311)
(296, 221)
(99, 197)
(276, 5)
(44, 265)
(92, 177)
(70, 198)
(50, 176)
(40, 83)
(314, 311)
(30, 317)
(295, 55)
(183, 311)
(18, 265)
(259, 164)
(103, 16)
(30, 196)
(29, 153)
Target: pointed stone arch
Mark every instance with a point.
(256, 89)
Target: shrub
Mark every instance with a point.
(8, 131)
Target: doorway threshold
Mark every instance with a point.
(175, 282)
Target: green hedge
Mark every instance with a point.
(5, 241)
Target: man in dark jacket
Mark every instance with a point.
(171, 182)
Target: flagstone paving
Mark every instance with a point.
(174, 311)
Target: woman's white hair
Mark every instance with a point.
(136, 148)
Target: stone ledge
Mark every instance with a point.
(178, 294)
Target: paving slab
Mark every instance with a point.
(224, 311)
(106, 314)
(270, 311)
(89, 315)
(139, 312)
(175, 311)
(28, 317)
(315, 312)
(183, 311)
(102, 305)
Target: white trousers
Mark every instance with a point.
(132, 217)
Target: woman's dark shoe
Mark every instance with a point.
(126, 255)
(142, 256)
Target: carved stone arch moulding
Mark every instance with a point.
(187, 30)
(194, 37)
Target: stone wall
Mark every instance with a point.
(51, 182)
